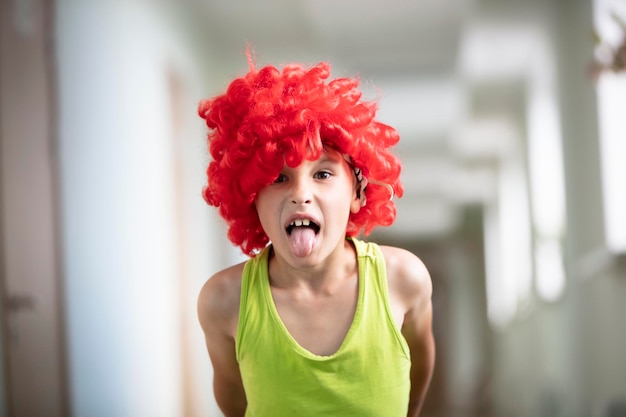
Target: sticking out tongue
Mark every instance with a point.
(302, 240)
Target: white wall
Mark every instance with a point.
(138, 239)
(565, 357)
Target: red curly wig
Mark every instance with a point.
(269, 118)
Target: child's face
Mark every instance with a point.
(305, 211)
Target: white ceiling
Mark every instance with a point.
(376, 38)
(422, 59)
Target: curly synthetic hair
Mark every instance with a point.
(269, 118)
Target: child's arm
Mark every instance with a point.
(218, 312)
(411, 286)
(417, 330)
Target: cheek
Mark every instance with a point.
(260, 206)
(266, 210)
(348, 207)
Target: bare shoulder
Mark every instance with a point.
(408, 277)
(218, 301)
(218, 312)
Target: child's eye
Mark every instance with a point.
(280, 178)
(322, 175)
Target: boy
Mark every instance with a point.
(317, 322)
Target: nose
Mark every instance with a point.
(301, 191)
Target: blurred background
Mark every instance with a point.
(513, 140)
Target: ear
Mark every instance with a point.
(355, 204)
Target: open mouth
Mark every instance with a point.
(304, 223)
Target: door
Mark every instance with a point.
(29, 261)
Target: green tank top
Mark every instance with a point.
(367, 377)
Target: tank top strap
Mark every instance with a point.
(373, 266)
(255, 272)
